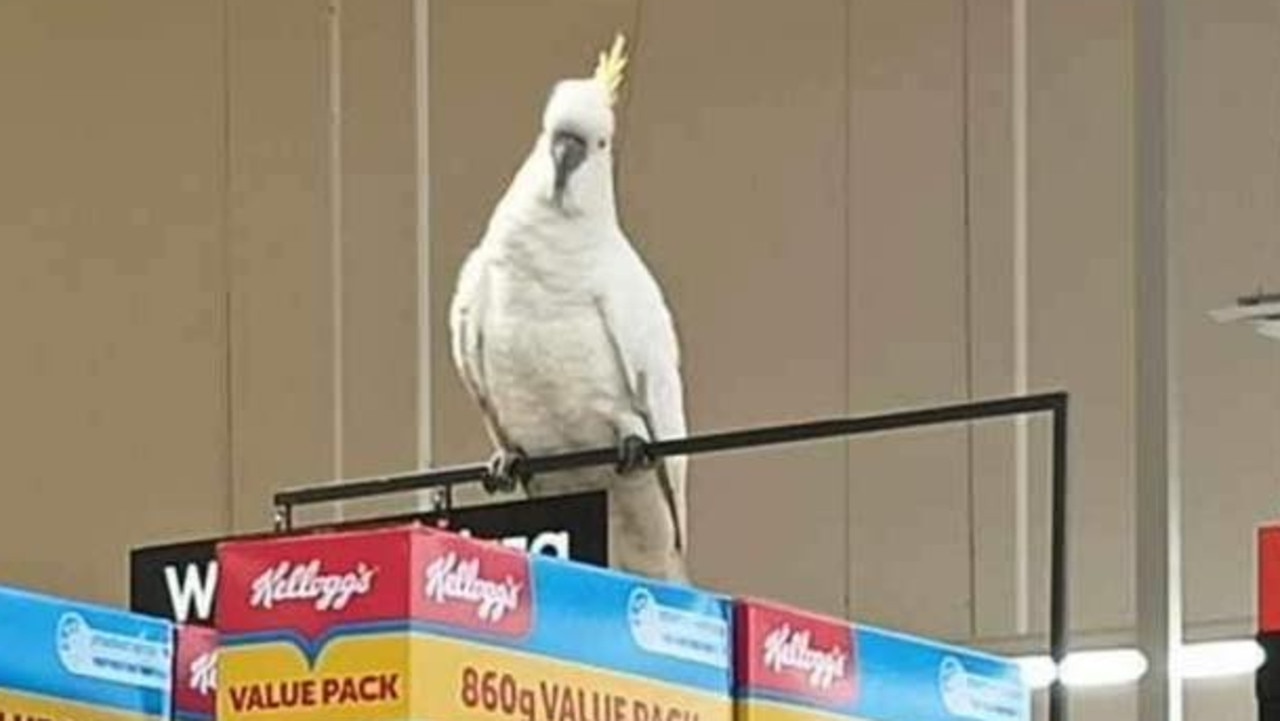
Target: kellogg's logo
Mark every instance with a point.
(305, 582)
(798, 655)
(475, 586)
(787, 648)
(203, 674)
(195, 673)
(449, 579)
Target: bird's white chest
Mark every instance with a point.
(553, 375)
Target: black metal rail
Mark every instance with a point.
(1054, 403)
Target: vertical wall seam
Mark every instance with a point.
(335, 228)
(1271, 256)
(966, 180)
(228, 275)
(847, 185)
(1157, 577)
(1021, 293)
(422, 106)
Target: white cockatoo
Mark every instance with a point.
(564, 340)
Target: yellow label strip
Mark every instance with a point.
(15, 705)
(394, 677)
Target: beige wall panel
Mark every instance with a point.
(1224, 221)
(492, 66)
(379, 243)
(1093, 704)
(1081, 291)
(910, 504)
(111, 292)
(993, 339)
(282, 343)
(1228, 699)
(733, 185)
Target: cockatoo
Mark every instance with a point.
(564, 340)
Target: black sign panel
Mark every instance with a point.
(178, 581)
(1267, 678)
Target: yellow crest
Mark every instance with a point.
(609, 67)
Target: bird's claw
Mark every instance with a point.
(633, 455)
(506, 468)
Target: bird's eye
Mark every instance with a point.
(602, 143)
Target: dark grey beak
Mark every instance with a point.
(568, 151)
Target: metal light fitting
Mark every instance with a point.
(1261, 310)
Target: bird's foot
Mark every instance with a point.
(633, 455)
(506, 468)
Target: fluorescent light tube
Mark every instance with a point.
(1219, 659)
(1038, 671)
(1113, 667)
(1110, 667)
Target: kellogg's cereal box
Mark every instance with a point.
(792, 665)
(416, 623)
(63, 660)
(194, 673)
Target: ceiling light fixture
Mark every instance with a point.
(1261, 310)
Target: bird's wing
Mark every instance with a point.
(646, 348)
(466, 327)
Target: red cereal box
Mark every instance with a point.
(412, 622)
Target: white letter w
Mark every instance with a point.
(193, 589)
